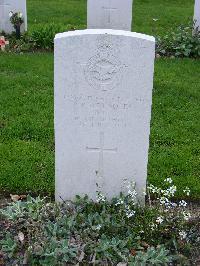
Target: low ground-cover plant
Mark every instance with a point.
(40, 38)
(101, 232)
(182, 42)
(43, 35)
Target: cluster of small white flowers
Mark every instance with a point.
(129, 213)
(19, 14)
(168, 180)
(164, 201)
(182, 234)
(186, 215)
(182, 203)
(153, 226)
(100, 197)
(187, 191)
(159, 220)
(171, 191)
(119, 202)
(154, 189)
(131, 191)
(133, 195)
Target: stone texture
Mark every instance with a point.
(103, 95)
(109, 14)
(12, 5)
(197, 13)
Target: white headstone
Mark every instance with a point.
(103, 96)
(197, 13)
(109, 14)
(12, 5)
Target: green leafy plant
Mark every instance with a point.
(153, 256)
(183, 42)
(102, 232)
(43, 36)
(8, 245)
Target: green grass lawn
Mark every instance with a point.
(26, 124)
(170, 13)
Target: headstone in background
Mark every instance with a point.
(103, 95)
(12, 5)
(197, 13)
(109, 14)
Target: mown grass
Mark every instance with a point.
(168, 13)
(26, 124)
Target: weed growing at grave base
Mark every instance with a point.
(39, 232)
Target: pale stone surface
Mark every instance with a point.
(197, 13)
(12, 5)
(109, 14)
(103, 95)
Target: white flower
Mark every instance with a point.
(20, 15)
(164, 201)
(169, 192)
(153, 226)
(129, 212)
(173, 204)
(98, 227)
(172, 190)
(10, 14)
(182, 203)
(101, 198)
(159, 220)
(187, 191)
(119, 202)
(154, 189)
(182, 234)
(168, 180)
(132, 193)
(186, 216)
(144, 193)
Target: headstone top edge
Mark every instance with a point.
(105, 31)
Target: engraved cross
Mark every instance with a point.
(109, 10)
(101, 149)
